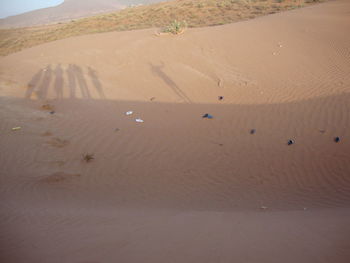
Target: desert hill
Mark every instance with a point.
(68, 10)
(193, 13)
(221, 144)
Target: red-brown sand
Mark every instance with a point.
(179, 187)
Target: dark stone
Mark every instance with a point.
(208, 116)
(337, 139)
(252, 131)
(290, 142)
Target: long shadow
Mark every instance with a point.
(78, 72)
(72, 84)
(33, 84)
(160, 73)
(59, 82)
(96, 82)
(45, 84)
(40, 84)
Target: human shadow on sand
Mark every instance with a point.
(70, 81)
(96, 82)
(159, 72)
(59, 81)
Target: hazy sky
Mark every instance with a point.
(15, 7)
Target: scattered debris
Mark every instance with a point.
(88, 157)
(139, 120)
(252, 131)
(263, 207)
(152, 99)
(129, 113)
(16, 128)
(208, 116)
(290, 142)
(274, 53)
(337, 139)
(117, 129)
(47, 107)
(322, 131)
(221, 97)
(58, 142)
(47, 133)
(58, 177)
(52, 112)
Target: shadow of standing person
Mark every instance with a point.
(45, 84)
(59, 82)
(33, 83)
(72, 84)
(158, 71)
(81, 82)
(96, 82)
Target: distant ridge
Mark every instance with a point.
(68, 10)
(195, 13)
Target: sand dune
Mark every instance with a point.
(68, 10)
(179, 187)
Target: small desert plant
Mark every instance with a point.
(175, 27)
(88, 157)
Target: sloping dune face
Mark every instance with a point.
(68, 10)
(223, 144)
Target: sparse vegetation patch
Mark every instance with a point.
(196, 13)
(175, 27)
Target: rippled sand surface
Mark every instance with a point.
(179, 187)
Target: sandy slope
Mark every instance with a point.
(68, 10)
(180, 188)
